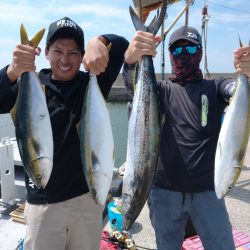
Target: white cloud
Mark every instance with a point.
(99, 10)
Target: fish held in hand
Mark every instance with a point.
(143, 132)
(32, 123)
(97, 143)
(233, 139)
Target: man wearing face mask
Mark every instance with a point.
(192, 108)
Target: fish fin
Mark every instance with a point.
(94, 159)
(37, 38)
(13, 114)
(237, 173)
(35, 146)
(129, 107)
(78, 128)
(109, 46)
(241, 44)
(13, 111)
(43, 87)
(219, 149)
(155, 23)
(24, 35)
(34, 41)
(155, 26)
(136, 20)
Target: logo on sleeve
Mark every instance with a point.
(204, 110)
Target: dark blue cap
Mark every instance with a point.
(185, 33)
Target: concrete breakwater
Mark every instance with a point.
(119, 93)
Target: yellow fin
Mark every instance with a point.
(24, 36)
(37, 38)
(13, 114)
(109, 46)
(237, 174)
(13, 111)
(43, 87)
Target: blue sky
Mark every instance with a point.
(227, 19)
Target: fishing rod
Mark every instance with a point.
(187, 15)
(163, 50)
(204, 26)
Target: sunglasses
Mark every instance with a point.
(190, 49)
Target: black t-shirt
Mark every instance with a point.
(189, 135)
(64, 100)
(192, 115)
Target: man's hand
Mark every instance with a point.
(142, 44)
(23, 61)
(96, 56)
(242, 60)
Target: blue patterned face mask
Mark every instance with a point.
(185, 62)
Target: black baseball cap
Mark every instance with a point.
(185, 33)
(65, 28)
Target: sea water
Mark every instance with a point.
(119, 123)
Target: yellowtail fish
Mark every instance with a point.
(97, 143)
(32, 122)
(143, 132)
(233, 139)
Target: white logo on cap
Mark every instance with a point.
(192, 35)
(66, 23)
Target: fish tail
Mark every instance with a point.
(136, 21)
(37, 38)
(34, 41)
(155, 24)
(24, 35)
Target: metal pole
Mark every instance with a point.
(7, 173)
(187, 14)
(140, 6)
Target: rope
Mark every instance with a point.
(204, 27)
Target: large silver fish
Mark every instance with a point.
(32, 123)
(97, 144)
(143, 133)
(233, 139)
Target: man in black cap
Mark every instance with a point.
(63, 28)
(63, 215)
(192, 107)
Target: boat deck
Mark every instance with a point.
(10, 231)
